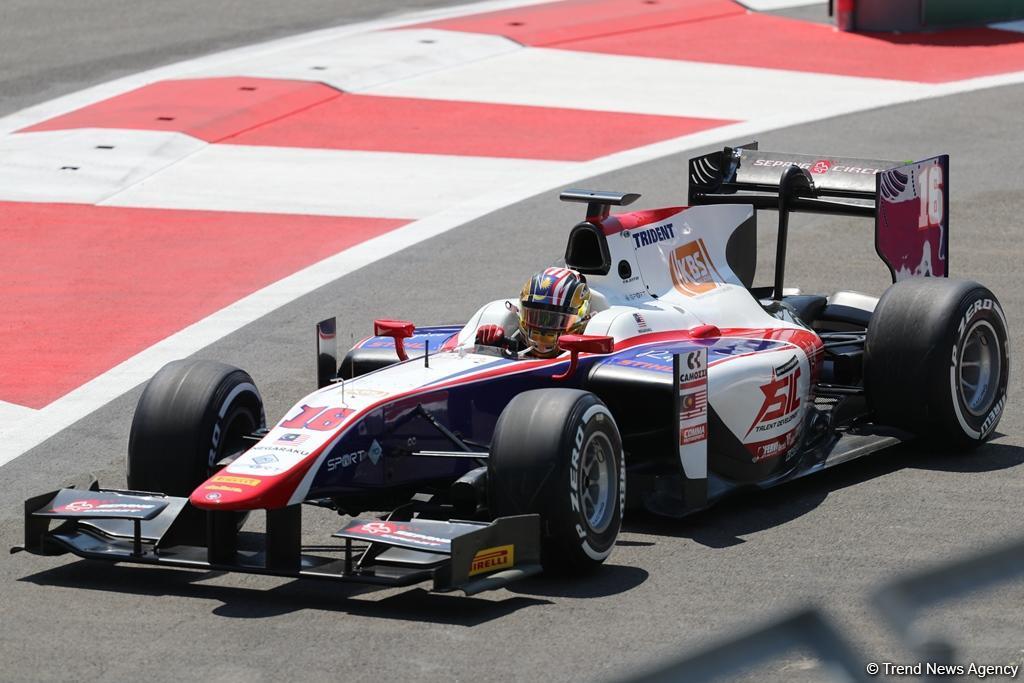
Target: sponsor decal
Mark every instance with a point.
(979, 305)
(693, 434)
(282, 449)
(396, 531)
(781, 398)
(643, 238)
(373, 454)
(694, 370)
(212, 496)
(264, 459)
(821, 166)
(292, 438)
(641, 323)
(101, 506)
(491, 559)
(218, 487)
(772, 448)
(993, 417)
(807, 165)
(241, 481)
(692, 270)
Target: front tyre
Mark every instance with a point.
(558, 453)
(191, 415)
(937, 360)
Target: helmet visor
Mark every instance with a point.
(554, 321)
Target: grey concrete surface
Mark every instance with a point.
(669, 586)
(53, 47)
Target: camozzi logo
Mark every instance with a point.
(692, 271)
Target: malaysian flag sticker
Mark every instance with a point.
(292, 438)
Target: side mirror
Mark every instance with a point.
(399, 330)
(576, 344)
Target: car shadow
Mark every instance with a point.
(748, 512)
(605, 581)
(412, 604)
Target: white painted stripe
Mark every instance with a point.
(79, 403)
(362, 61)
(86, 165)
(769, 5)
(12, 418)
(562, 78)
(1017, 26)
(325, 182)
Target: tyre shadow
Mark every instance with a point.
(605, 581)
(411, 604)
(751, 511)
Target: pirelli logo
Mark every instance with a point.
(240, 481)
(492, 559)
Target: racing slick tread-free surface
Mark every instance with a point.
(907, 356)
(534, 464)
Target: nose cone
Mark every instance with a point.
(227, 491)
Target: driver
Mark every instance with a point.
(553, 302)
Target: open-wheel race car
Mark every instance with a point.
(684, 380)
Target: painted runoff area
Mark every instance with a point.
(158, 213)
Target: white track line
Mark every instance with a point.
(324, 181)
(641, 85)
(13, 417)
(40, 425)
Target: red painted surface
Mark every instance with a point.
(773, 42)
(397, 124)
(87, 287)
(723, 33)
(210, 109)
(561, 22)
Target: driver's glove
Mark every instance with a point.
(490, 335)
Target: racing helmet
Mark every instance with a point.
(552, 303)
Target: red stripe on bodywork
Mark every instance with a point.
(87, 287)
(613, 225)
(210, 109)
(722, 32)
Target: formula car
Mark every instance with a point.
(689, 382)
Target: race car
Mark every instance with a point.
(688, 382)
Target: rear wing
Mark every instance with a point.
(909, 201)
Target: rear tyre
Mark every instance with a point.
(191, 415)
(937, 360)
(558, 453)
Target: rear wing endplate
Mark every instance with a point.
(909, 201)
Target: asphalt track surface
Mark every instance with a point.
(669, 586)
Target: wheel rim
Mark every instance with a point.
(238, 425)
(598, 482)
(979, 368)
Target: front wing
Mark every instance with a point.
(148, 528)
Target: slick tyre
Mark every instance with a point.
(937, 360)
(558, 453)
(191, 415)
